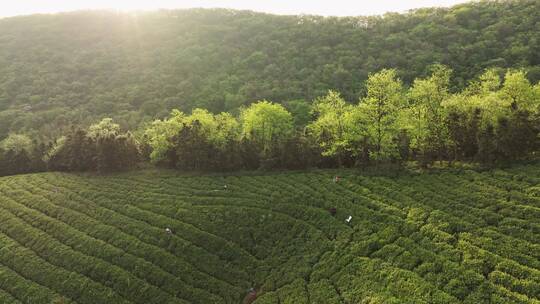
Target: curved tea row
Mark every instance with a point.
(442, 237)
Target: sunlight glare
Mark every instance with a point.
(322, 7)
(137, 5)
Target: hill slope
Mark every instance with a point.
(442, 237)
(78, 67)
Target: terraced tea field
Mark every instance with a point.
(442, 237)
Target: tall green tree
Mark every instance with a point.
(188, 141)
(517, 92)
(115, 151)
(73, 152)
(102, 147)
(17, 143)
(338, 128)
(192, 149)
(159, 133)
(518, 129)
(385, 98)
(430, 135)
(268, 125)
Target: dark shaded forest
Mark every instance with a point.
(76, 68)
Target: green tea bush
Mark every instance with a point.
(443, 237)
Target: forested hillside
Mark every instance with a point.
(452, 236)
(79, 67)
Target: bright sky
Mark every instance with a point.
(316, 7)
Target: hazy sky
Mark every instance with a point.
(332, 7)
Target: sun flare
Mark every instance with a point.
(133, 5)
(333, 8)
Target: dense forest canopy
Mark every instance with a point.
(76, 68)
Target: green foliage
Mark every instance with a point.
(17, 143)
(491, 122)
(221, 60)
(517, 93)
(429, 133)
(200, 141)
(266, 124)
(160, 131)
(381, 106)
(102, 148)
(338, 128)
(105, 128)
(20, 154)
(300, 110)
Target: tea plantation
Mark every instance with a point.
(448, 236)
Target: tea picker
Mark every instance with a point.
(225, 187)
(250, 297)
(168, 230)
(332, 211)
(348, 220)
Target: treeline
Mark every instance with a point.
(75, 68)
(495, 119)
(102, 147)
